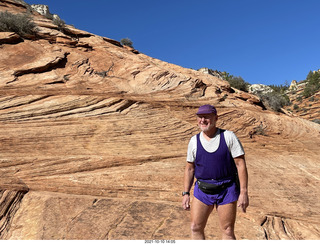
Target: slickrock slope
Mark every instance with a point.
(93, 140)
(307, 108)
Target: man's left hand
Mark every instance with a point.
(243, 201)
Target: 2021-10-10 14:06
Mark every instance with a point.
(160, 241)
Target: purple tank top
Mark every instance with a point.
(218, 165)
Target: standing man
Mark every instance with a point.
(216, 159)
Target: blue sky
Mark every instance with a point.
(263, 41)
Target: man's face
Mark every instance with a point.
(207, 122)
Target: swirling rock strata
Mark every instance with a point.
(93, 140)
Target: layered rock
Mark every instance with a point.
(212, 72)
(307, 108)
(44, 10)
(293, 85)
(94, 136)
(259, 89)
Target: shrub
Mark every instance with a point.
(126, 42)
(280, 88)
(236, 81)
(312, 84)
(22, 24)
(316, 121)
(275, 100)
(295, 107)
(60, 23)
(259, 130)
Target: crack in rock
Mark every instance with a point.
(9, 205)
(58, 62)
(275, 228)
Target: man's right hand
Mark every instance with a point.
(186, 202)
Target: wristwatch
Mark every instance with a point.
(185, 193)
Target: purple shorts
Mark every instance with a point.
(228, 195)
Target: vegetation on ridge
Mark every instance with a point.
(278, 98)
(126, 42)
(312, 84)
(22, 24)
(236, 81)
(275, 100)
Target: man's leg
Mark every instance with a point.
(199, 216)
(227, 218)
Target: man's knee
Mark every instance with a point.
(228, 230)
(195, 227)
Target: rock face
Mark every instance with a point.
(212, 72)
(293, 85)
(44, 10)
(259, 88)
(94, 137)
(307, 108)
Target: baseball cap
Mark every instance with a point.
(207, 109)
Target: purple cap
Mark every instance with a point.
(207, 109)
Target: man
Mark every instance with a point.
(216, 159)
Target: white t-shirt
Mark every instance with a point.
(231, 139)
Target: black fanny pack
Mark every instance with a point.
(210, 188)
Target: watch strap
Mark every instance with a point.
(185, 193)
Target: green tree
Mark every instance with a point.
(280, 88)
(312, 84)
(22, 24)
(236, 81)
(275, 100)
(126, 42)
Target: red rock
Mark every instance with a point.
(93, 142)
(9, 38)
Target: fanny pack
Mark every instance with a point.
(210, 188)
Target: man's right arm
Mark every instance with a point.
(188, 182)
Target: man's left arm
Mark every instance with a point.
(243, 200)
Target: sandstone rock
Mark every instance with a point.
(41, 9)
(46, 23)
(10, 203)
(114, 42)
(247, 97)
(93, 142)
(293, 85)
(14, 5)
(211, 72)
(44, 10)
(259, 88)
(131, 49)
(305, 107)
(64, 40)
(9, 38)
